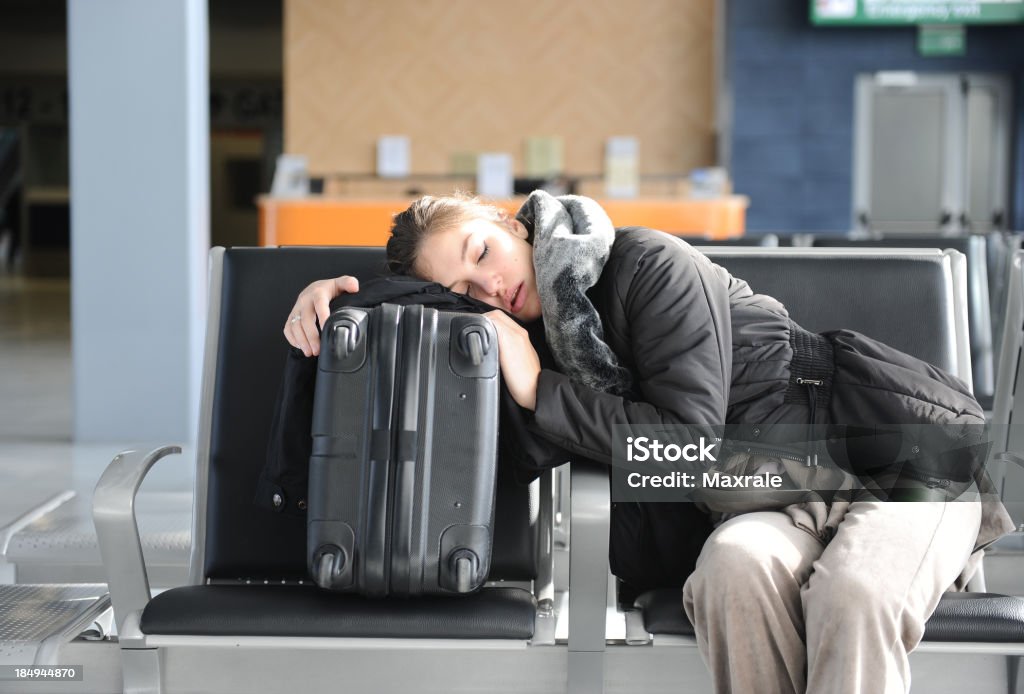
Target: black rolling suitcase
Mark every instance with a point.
(403, 465)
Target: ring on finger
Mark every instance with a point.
(296, 318)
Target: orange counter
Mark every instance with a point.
(354, 222)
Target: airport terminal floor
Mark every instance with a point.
(46, 484)
(37, 457)
(35, 403)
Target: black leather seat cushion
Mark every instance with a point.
(293, 610)
(663, 612)
(987, 617)
(960, 617)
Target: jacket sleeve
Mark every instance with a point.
(522, 448)
(676, 310)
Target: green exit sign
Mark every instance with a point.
(909, 12)
(941, 40)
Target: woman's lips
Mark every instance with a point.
(518, 299)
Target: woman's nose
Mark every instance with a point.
(492, 285)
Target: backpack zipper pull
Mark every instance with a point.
(812, 398)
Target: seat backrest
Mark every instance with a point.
(825, 290)
(979, 312)
(1008, 429)
(251, 292)
(763, 240)
(1000, 247)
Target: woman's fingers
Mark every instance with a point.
(311, 311)
(309, 330)
(510, 334)
(346, 284)
(520, 366)
(293, 331)
(499, 317)
(323, 296)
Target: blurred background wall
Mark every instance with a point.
(480, 75)
(791, 86)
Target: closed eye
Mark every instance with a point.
(483, 254)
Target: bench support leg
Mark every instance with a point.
(141, 671)
(586, 672)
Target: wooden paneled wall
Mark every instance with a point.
(482, 75)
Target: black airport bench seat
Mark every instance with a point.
(974, 617)
(249, 616)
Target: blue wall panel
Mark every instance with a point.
(792, 88)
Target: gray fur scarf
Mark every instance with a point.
(572, 237)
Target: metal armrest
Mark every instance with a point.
(979, 317)
(590, 518)
(544, 584)
(958, 268)
(113, 512)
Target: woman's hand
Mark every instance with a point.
(314, 304)
(520, 365)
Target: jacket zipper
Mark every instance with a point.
(812, 397)
(768, 452)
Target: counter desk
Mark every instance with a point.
(326, 221)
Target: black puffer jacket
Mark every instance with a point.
(704, 349)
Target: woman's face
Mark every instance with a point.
(486, 260)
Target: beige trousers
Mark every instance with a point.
(777, 610)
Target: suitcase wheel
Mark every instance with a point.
(464, 566)
(346, 334)
(473, 341)
(329, 565)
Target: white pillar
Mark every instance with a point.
(139, 119)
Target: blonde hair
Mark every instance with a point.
(430, 214)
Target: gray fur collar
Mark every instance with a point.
(572, 237)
